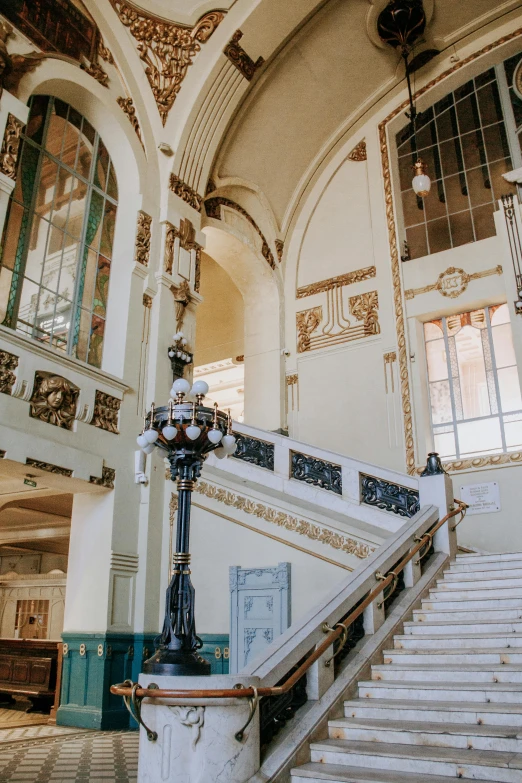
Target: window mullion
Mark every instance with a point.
(452, 391)
(495, 378)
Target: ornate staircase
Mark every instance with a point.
(447, 700)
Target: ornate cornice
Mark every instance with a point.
(127, 105)
(453, 282)
(166, 49)
(394, 251)
(10, 146)
(326, 285)
(358, 154)
(213, 210)
(240, 59)
(8, 364)
(185, 192)
(290, 523)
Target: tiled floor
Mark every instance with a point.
(69, 757)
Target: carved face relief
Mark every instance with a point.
(54, 400)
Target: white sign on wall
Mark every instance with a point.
(481, 498)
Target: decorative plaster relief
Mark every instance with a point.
(491, 461)
(337, 329)
(54, 400)
(358, 154)
(106, 409)
(166, 49)
(238, 57)
(389, 359)
(293, 524)
(213, 210)
(280, 247)
(96, 71)
(35, 463)
(8, 364)
(143, 234)
(453, 282)
(336, 282)
(193, 717)
(292, 381)
(107, 478)
(185, 192)
(127, 105)
(392, 238)
(182, 299)
(10, 146)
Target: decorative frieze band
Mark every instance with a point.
(47, 466)
(240, 59)
(356, 276)
(473, 463)
(453, 282)
(290, 523)
(107, 478)
(337, 329)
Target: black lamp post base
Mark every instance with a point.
(177, 663)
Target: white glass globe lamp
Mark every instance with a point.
(421, 183)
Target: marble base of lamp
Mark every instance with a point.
(196, 739)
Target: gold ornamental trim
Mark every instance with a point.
(357, 276)
(166, 49)
(143, 237)
(392, 238)
(240, 59)
(185, 192)
(127, 106)
(359, 154)
(453, 282)
(10, 146)
(491, 461)
(290, 523)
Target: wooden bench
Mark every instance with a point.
(28, 668)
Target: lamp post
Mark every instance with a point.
(187, 431)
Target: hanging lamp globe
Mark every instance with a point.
(421, 183)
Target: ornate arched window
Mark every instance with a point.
(57, 244)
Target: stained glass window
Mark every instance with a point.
(474, 390)
(57, 245)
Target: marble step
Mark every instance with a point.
(449, 602)
(470, 640)
(474, 594)
(507, 739)
(335, 773)
(462, 626)
(498, 578)
(460, 712)
(420, 759)
(448, 673)
(485, 693)
(484, 568)
(478, 584)
(448, 611)
(436, 656)
(504, 557)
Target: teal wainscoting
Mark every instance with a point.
(94, 662)
(215, 650)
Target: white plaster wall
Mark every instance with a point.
(217, 544)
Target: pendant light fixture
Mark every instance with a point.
(400, 25)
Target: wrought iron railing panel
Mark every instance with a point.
(256, 452)
(389, 496)
(318, 472)
(275, 711)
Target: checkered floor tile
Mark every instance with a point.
(89, 756)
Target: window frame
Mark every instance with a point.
(12, 312)
(499, 415)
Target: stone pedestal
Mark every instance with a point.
(196, 742)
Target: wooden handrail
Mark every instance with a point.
(278, 690)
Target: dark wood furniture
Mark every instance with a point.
(28, 667)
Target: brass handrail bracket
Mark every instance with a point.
(133, 704)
